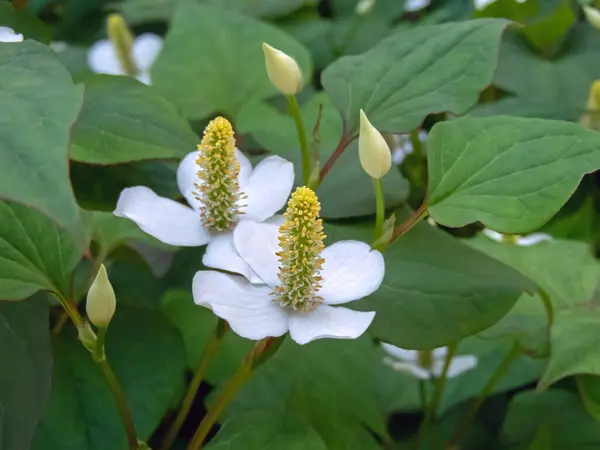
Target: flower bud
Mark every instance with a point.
(283, 71)
(101, 300)
(373, 150)
(592, 15)
(122, 39)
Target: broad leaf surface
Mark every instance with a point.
(147, 356)
(35, 254)
(512, 174)
(412, 74)
(123, 120)
(40, 103)
(25, 370)
(212, 61)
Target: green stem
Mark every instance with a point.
(380, 204)
(297, 115)
(262, 351)
(419, 214)
(463, 426)
(423, 394)
(416, 143)
(119, 396)
(210, 351)
(438, 393)
(548, 306)
(71, 310)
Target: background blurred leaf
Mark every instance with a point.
(40, 105)
(148, 358)
(123, 120)
(418, 72)
(25, 370)
(511, 174)
(558, 412)
(212, 60)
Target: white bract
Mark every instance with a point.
(102, 56)
(291, 297)
(409, 362)
(482, 4)
(9, 35)
(266, 188)
(522, 241)
(416, 5)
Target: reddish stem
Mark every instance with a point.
(344, 141)
(412, 220)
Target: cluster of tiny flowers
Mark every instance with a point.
(301, 242)
(218, 171)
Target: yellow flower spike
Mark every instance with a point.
(283, 70)
(101, 301)
(218, 171)
(593, 103)
(301, 243)
(121, 37)
(373, 150)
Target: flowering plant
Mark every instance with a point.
(299, 224)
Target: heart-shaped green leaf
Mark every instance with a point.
(123, 120)
(510, 173)
(412, 74)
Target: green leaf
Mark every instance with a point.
(123, 120)
(258, 430)
(546, 32)
(26, 369)
(565, 270)
(509, 173)
(147, 356)
(338, 372)
(346, 191)
(437, 291)
(212, 60)
(412, 74)
(589, 391)
(35, 254)
(40, 104)
(538, 84)
(557, 412)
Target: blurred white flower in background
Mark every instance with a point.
(103, 58)
(58, 46)
(416, 5)
(402, 147)
(522, 241)
(426, 364)
(482, 4)
(9, 35)
(364, 6)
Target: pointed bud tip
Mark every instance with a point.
(283, 70)
(101, 301)
(373, 150)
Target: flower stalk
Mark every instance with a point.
(295, 112)
(212, 346)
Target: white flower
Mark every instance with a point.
(522, 241)
(407, 361)
(350, 270)
(403, 147)
(9, 35)
(102, 56)
(416, 5)
(267, 188)
(482, 4)
(58, 46)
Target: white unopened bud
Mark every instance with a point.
(283, 71)
(363, 7)
(373, 150)
(592, 15)
(101, 300)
